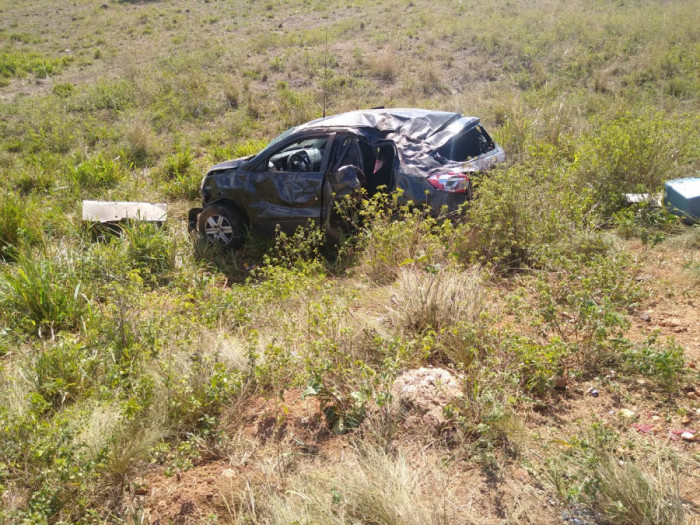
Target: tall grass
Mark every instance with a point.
(44, 295)
(437, 300)
(19, 224)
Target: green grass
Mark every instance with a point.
(18, 64)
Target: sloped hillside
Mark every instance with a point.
(532, 360)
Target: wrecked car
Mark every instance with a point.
(427, 156)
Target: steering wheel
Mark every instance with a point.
(299, 161)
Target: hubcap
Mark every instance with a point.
(218, 229)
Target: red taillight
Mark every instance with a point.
(450, 182)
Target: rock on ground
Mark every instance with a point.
(422, 394)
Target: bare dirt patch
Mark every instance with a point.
(269, 437)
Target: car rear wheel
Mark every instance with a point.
(221, 225)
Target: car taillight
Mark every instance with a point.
(450, 182)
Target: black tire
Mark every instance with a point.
(221, 225)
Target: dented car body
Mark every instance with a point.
(427, 156)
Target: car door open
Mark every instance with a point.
(286, 186)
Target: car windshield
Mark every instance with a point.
(281, 136)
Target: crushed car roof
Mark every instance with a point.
(430, 128)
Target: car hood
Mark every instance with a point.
(230, 164)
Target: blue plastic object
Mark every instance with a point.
(683, 198)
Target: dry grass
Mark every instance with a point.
(643, 489)
(384, 66)
(437, 300)
(368, 486)
(644, 493)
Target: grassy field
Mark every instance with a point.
(148, 376)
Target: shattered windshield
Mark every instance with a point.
(282, 136)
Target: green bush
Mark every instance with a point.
(392, 236)
(181, 176)
(114, 95)
(618, 480)
(664, 363)
(42, 458)
(632, 153)
(19, 63)
(585, 304)
(140, 147)
(150, 250)
(62, 371)
(649, 223)
(523, 211)
(63, 90)
(539, 364)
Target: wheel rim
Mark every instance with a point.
(218, 229)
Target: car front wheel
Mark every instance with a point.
(221, 225)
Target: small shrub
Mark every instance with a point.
(368, 486)
(277, 64)
(62, 371)
(140, 146)
(539, 363)
(486, 423)
(150, 250)
(516, 129)
(296, 250)
(586, 305)
(664, 363)
(631, 495)
(649, 223)
(130, 444)
(633, 153)
(641, 487)
(19, 63)
(105, 94)
(181, 176)
(522, 210)
(231, 95)
(178, 164)
(393, 236)
(63, 90)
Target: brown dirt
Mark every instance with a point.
(270, 437)
(674, 308)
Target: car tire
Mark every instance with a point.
(221, 225)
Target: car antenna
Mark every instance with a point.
(325, 73)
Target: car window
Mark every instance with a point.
(305, 155)
(473, 143)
